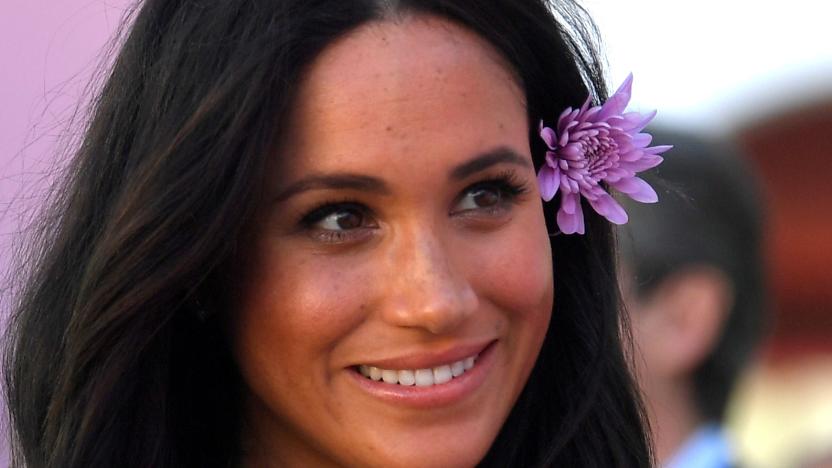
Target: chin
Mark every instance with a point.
(433, 453)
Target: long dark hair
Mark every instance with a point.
(111, 361)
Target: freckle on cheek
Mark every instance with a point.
(498, 328)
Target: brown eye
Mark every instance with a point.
(342, 220)
(485, 197)
(478, 198)
(490, 197)
(339, 223)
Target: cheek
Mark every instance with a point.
(514, 277)
(292, 315)
(515, 273)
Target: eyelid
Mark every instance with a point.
(327, 208)
(507, 178)
(511, 186)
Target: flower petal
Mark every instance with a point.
(614, 174)
(568, 121)
(607, 207)
(548, 136)
(616, 104)
(658, 149)
(571, 223)
(586, 105)
(564, 136)
(590, 116)
(641, 140)
(548, 179)
(647, 162)
(635, 122)
(632, 155)
(564, 183)
(637, 189)
(572, 152)
(563, 115)
(570, 202)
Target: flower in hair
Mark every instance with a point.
(594, 145)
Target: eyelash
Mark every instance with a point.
(509, 186)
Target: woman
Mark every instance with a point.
(309, 234)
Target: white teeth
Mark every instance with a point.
(442, 374)
(375, 373)
(424, 377)
(406, 378)
(390, 376)
(457, 368)
(419, 377)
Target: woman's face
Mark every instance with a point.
(398, 285)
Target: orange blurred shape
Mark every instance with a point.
(793, 151)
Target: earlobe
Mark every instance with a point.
(696, 303)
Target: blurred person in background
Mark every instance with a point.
(693, 284)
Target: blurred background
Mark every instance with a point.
(755, 74)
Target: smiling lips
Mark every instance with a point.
(426, 381)
(419, 377)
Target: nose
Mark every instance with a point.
(423, 288)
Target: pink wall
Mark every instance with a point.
(48, 52)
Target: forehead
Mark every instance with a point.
(415, 87)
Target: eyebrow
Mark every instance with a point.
(365, 183)
(500, 155)
(333, 182)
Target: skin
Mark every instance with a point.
(426, 264)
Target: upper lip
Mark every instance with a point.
(431, 358)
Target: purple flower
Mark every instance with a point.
(594, 145)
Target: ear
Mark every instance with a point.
(684, 318)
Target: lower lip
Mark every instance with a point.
(453, 391)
